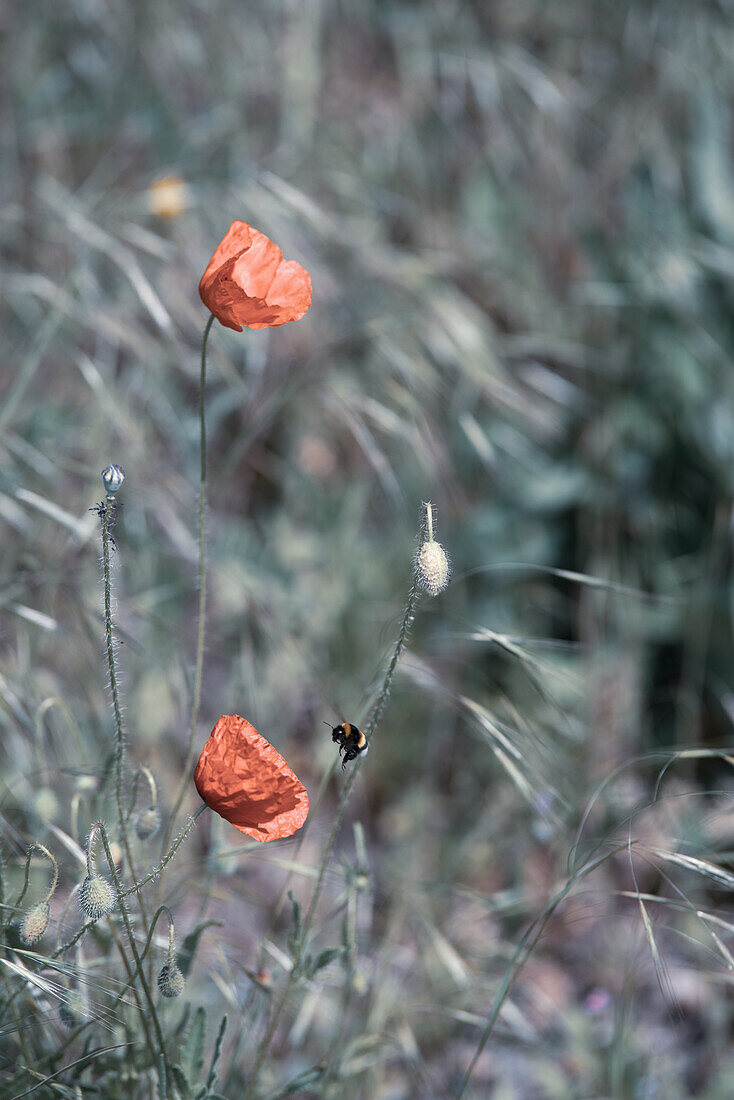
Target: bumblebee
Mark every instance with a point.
(351, 741)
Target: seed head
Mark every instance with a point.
(35, 922)
(171, 980)
(432, 567)
(96, 897)
(112, 478)
(147, 822)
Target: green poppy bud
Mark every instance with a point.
(96, 897)
(171, 980)
(112, 478)
(147, 822)
(432, 567)
(35, 922)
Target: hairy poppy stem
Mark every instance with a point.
(54, 878)
(138, 885)
(106, 511)
(191, 746)
(134, 948)
(370, 727)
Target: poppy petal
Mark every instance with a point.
(247, 282)
(247, 782)
(237, 238)
(255, 268)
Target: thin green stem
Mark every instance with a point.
(54, 878)
(379, 706)
(130, 971)
(130, 985)
(159, 911)
(46, 705)
(369, 730)
(201, 631)
(20, 1025)
(137, 885)
(107, 511)
(90, 848)
(133, 945)
(522, 953)
(67, 904)
(169, 854)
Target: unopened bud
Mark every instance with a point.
(171, 980)
(359, 982)
(35, 922)
(86, 783)
(147, 822)
(46, 804)
(112, 478)
(96, 897)
(432, 567)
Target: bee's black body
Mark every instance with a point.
(351, 741)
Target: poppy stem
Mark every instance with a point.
(370, 727)
(134, 949)
(107, 512)
(169, 854)
(196, 702)
(55, 877)
(369, 730)
(159, 911)
(90, 848)
(137, 885)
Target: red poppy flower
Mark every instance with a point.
(247, 782)
(247, 282)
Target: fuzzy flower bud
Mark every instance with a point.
(96, 897)
(112, 478)
(35, 922)
(46, 804)
(431, 564)
(171, 980)
(432, 567)
(147, 822)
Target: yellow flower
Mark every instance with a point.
(168, 197)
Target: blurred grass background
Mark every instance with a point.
(519, 222)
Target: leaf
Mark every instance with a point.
(323, 959)
(296, 914)
(181, 1080)
(217, 1051)
(294, 939)
(185, 956)
(192, 1052)
(183, 1022)
(297, 1084)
